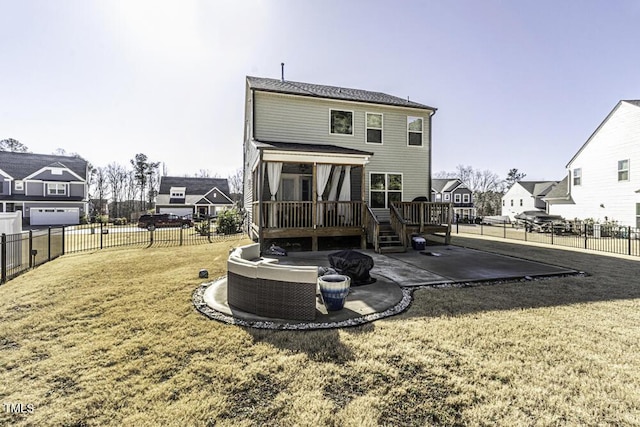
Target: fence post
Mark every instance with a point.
(101, 234)
(457, 228)
(504, 229)
(481, 229)
(629, 238)
(151, 237)
(31, 257)
(585, 236)
(209, 229)
(49, 245)
(3, 257)
(63, 227)
(181, 235)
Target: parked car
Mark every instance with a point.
(152, 221)
(541, 221)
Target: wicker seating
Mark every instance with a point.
(263, 287)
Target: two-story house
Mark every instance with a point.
(600, 182)
(324, 161)
(47, 189)
(456, 192)
(526, 196)
(187, 196)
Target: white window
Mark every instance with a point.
(56, 171)
(456, 198)
(577, 176)
(447, 197)
(374, 128)
(466, 198)
(19, 185)
(385, 188)
(414, 131)
(341, 122)
(177, 192)
(623, 170)
(56, 189)
(520, 202)
(511, 202)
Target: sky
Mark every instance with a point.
(517, 84)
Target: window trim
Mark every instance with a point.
(627, 169)
(577, 176)
(386, 190)
(457, 198)
(466, 198)
(19, 185)
(447, 197)
(331, 110)
(64, 185)
(366, 128)
(413, 131)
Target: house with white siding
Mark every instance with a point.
(601, 183)
(526, 196)
(324, 161)
(193, 196)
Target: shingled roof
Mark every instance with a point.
(538, 188)
(21, 165)
(330, 92)
(194, 186)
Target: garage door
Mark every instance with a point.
(178, 211)
(54, 216)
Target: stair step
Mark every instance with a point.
(392, 249)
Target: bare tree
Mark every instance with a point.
(236, 187)
(487, 187)
(100, 191)
(116, 176)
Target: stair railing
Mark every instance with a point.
(399, 224)
(372, 227)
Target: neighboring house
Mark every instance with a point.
(456, 192)
(47, 189)
(601, 183)
(526, 196)
(320, 160)
(193, 196)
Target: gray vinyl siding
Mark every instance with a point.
(306, 120)
(34, 188)
(76, 190)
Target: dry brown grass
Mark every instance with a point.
(111, 338)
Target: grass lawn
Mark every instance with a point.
(111, 338)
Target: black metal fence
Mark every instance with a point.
(598, 237)
(23, 251)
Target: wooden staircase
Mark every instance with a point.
(388, 240)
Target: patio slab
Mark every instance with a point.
(396, 275)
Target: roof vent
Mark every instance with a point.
(282, 68)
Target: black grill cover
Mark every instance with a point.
(354, 264)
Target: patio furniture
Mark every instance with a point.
(265, 288)
(354, 264)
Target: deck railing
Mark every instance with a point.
(293, 214)
(425, 213)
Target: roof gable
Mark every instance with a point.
(330, 92)
(23, 165)
(537, 188)
(631, 101)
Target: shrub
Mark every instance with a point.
(229, 222)
(120, 221)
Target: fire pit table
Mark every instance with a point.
(354, 264)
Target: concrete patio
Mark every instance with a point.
(396, 276)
